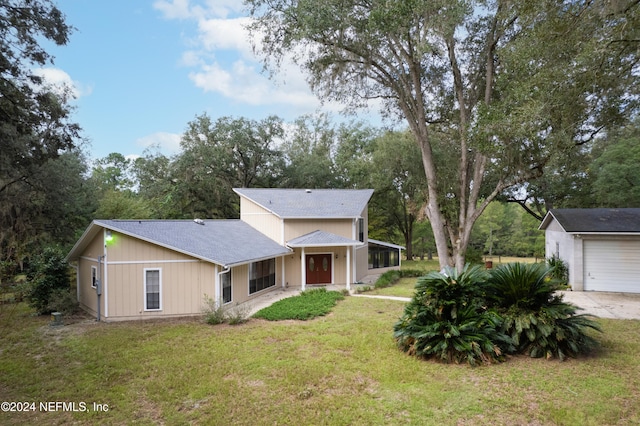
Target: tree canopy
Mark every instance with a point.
(38, 159)
(506, 86)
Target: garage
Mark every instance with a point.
(612, 265)
(601, 247)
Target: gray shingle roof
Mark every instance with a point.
(321, 238)
(225, 242)
(313, 203)
(625, 220)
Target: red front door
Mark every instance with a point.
(318, 268)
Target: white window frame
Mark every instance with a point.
(144, 289)
(94, 276)
(222, 287)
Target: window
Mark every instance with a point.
(94, 276)
(225, 281)
(262, 275)
(152, 289)
(383, 257)
(361, 230)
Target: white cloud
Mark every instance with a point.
(62, 83)
(222, 60)
(243, 83)
(185, 9)
(175, 9)
(228, 34)
(167, 143)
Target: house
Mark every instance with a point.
(600, 246)
(130, 269)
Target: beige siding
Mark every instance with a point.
(294, 228)
(87, 294)
(184, 280)
(183, 286)
(240, 280)
(128, 249)
(362, 262)
(261, 219)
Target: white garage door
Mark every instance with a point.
(612, 266)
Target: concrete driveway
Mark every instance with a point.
(605, 305)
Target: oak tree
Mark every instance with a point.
(506, 85)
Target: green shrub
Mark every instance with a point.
(63, 300)
(391, 277)
(387, 279)
(446, 319)
(363, 289)
(237, 314)
(49, 273)
(213, 314)
(536, 318)
(558, 270)
(307, 305)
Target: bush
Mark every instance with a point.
(63, 300)
(559, 270)
(307, 305)
(391, 277)
(446, 319)
(213, 314)
(237, 314)
(50, 272)
(535, 316)
(476, 316)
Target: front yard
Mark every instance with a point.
(343, 368)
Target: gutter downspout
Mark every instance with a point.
(99, 285)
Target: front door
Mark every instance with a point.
(318, 268)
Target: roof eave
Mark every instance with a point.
(328, 244)
(258, 259)
(603, 233)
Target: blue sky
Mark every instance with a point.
(141, 70)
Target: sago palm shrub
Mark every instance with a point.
(447, 319)
(536, 318)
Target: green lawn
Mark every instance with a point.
(342, 368)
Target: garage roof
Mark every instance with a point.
(607, 221)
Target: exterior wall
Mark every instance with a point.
(184, 280)
(294, 228)
(361, 262)
(569, 249)
(362, 253)
(86, 294)
(261, 219)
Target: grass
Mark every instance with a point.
(342, 368)
(307, 305)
